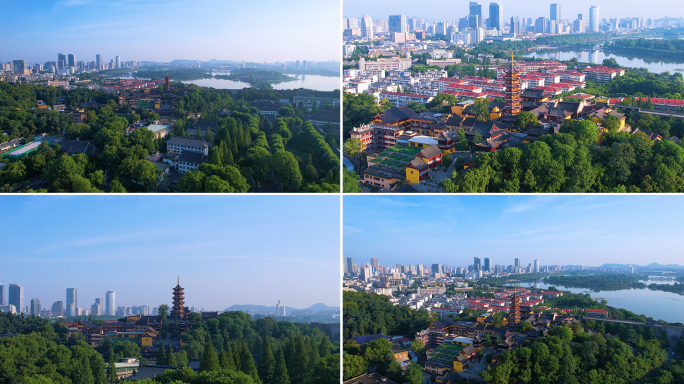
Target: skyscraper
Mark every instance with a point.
(350, 265)
(71, 60)
(2, 295)
(487, 265)
(58, 308)
(475, 9)
(397, 23)
(517, 262)
(61, 60)
(71, 298)
(556, 12)
(477, 266)
(374, 263)
(16, 297)
(436, 268)
(536, 265)
(515, 25)
(35, 307)
(19, 66)
(496, 16)
(367, 28)
(541, 25)
(594, 19)
(280, 309)
(98, 61)
(111, 303)
(118, 62)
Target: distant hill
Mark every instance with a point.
(650, 267)
(318, 307)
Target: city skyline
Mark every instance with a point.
(563, 230)
(217, 246)
(455, 10)
(163, 31)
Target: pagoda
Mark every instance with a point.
(167, 84)
(513, 104)
(178, 309)
(514, 318)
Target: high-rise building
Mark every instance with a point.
(16, 297)
(374, 263)
(96, 308)
(111, 303)
(496, 19)
(436, 268)
(98, 61)
(367, 28)
(594, 19)
(515, 25)
(280, 309)
(19, 66)
(398, 24)
(61, 60)
(58, 309)
(578, 26)
(517, 262)
(71, 60)
(541, 25)
(473, 21)
(477, 266)
(304, 65)
(487, 266)
(350, 265)
(536, 265)
(555, 12)
(118, 62)
(475, 9)
(2, 295)
(35, 307)
(71, 298)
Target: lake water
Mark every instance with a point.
(315, 82)
(657, 304)
(596, 56)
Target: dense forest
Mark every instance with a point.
(572, 162)
(570, 355)
(287, 353)
(608, 280)
(658, 47)
(247, 150)
(370, 313)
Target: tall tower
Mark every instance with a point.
(374, 263)
(556, 12)
(476, 264)
(515, 307)
(513, 104)
(35, 307)
(178, 309)
(16, 297)
(71, 298)
(167, 84)
(2, 295)
(487, 266)
(111, 303)
(594, 19)
(496, 19)
(367, 28)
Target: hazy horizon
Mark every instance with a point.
(557, 230)
(161, 30)
(227, 250)
(455, 10)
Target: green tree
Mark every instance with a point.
(209, 361)
(481, 109)
(267, 363)
(280, 376)
(324, 371)
(146, 174)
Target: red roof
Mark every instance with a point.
(405, 94)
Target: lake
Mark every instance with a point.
(667, 306)
(315, 82)
(596, 56)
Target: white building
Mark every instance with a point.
(180, 144)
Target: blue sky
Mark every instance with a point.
(226, 249)
(450, 10)
(451, 230)
(163, 30)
